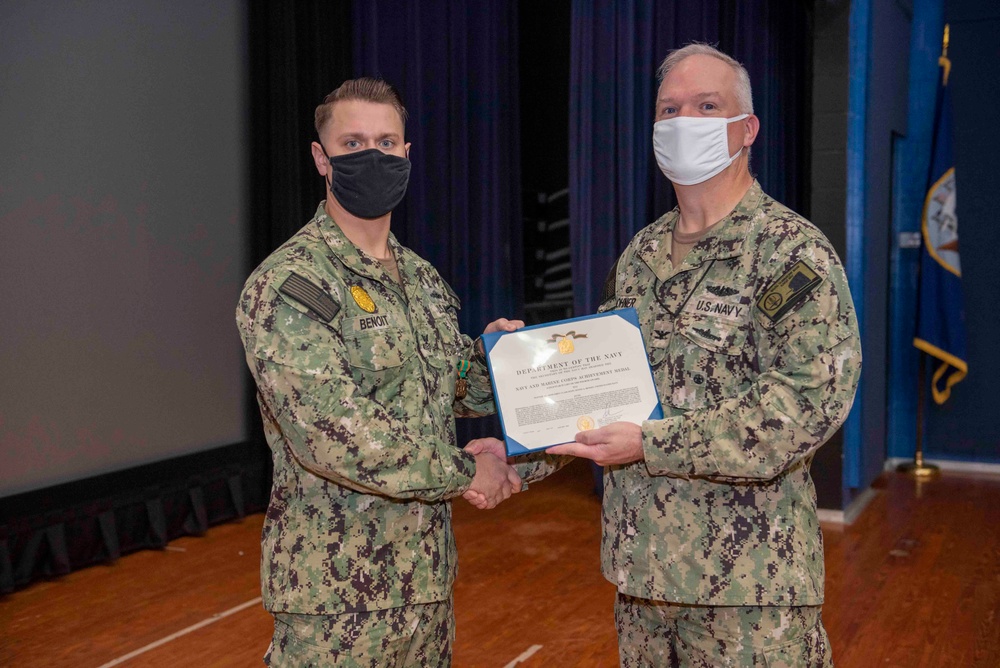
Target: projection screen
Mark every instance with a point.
(122, 188)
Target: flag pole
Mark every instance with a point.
(918, 468)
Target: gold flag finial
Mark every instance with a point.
(944, 61)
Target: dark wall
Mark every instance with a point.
(543, 68)
(966, 427)
(829, 187)
(544, 72)
(288, 80)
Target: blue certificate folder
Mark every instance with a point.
(490, 340)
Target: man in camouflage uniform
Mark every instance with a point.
(354, 345)
(710, 527)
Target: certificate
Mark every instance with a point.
(554, 380)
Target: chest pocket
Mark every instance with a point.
(706, 361)
(379, 358)
(442, 309)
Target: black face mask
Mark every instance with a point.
(369, 183)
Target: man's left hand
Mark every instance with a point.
(499, 325)
(617, 443)
(503, 325)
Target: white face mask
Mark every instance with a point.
(691, 149)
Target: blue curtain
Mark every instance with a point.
(616, 46)
(455, 64)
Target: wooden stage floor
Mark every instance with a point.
(914, 582)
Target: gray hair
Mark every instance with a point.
(744, 96)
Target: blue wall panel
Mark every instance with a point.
(912, 162)
(880, 33)
(854, 261)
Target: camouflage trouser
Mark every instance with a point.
(655, 633)
(415, 635)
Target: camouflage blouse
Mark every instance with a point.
(356, 378)
(755, 351)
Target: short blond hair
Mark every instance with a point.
(366, 89)
(744, 94)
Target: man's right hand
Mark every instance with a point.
(480, 445)
(493, 482)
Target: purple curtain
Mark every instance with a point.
(455, 64)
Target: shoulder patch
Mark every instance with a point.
(311, 296)
(608, 292)
(788, 291)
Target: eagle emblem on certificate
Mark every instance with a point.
(565, 341)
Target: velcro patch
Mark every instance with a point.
(609, 285)
(455, 301)
(788, 291)
(310, 296)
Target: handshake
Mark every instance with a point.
(495, 480)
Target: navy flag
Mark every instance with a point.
(941, 308)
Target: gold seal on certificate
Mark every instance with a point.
(555, 380)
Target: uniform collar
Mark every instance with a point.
(725, 241)
(353, 258)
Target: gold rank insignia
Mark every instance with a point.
(363, 299)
